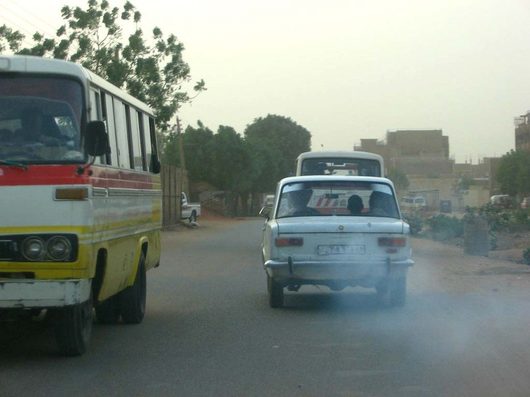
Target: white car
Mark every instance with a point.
(336, 231)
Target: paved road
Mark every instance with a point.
(209, 332)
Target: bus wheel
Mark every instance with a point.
(73, 328)
(108, 311)
(132, 299)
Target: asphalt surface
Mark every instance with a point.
(209, 331)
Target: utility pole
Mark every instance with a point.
(182, 166)
(181, 147)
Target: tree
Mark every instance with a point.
(513, 174)
(278, 140)
(199, 148)
(94, 37)
(231, 165)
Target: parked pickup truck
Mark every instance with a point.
(190, 211)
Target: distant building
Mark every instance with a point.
(414, 152)
(522, 132)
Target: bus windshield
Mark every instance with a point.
(40, 119)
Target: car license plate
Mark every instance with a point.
(340, 249)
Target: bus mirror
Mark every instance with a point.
(96, 139)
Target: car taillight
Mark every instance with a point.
(289, 241)
(392, 243)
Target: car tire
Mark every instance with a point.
(392, 292)
(73, 328)
(108, 311)
(275, 291)
(193, 217)
(132, 299)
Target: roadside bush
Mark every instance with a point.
(415, 222)
(520, 217)
(526, 256)
(497, 218)
(445, 227)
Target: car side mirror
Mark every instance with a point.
(265, 212)
(96, 138)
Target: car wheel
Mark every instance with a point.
(275, 291)
(108, 311)
(73, 328)
(132, 299)
(193, 217)
(392, 292)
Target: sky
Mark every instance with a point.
(344, 70)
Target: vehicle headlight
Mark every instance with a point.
(33, 248)
(59, 248)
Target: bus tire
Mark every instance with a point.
(73, 328)
(132, 299)
(108, 311)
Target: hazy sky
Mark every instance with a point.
(345, 70)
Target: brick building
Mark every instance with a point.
(522, 132)
(414, 152)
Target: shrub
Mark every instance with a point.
(444, 227)
(415, 222)
(526, 256)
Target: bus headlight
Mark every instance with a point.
(59, 248)
(33, 248)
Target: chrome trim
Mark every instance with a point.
(99, 192)
(279, 264)
(126, 192)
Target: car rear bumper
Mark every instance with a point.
(43, 293)
(367, 273)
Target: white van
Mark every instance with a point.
(413, 202)
(350, 163)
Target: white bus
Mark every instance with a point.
(340, 163)
(80, 197)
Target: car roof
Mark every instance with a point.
(337, 178)
(339, 153)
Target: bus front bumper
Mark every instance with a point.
(32, 293)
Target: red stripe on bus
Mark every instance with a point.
(68, 174)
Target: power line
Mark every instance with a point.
(31, 13)
(20, 21)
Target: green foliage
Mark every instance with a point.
(278, 140)
(199, 151)
(10, 38)
(513, 174)
(94, 37)
(526, 256)
(497, 218)
(230, 160)
(415, 222)
(444, 227)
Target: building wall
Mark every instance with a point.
(418, 143)
(476, 196)
(522, 133)
(414, 152)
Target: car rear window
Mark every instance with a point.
(340, 198)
